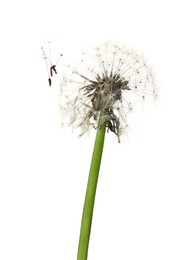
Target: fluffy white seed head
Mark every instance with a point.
(108, 81)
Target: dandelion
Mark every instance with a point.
(103, 90)
(99, 94)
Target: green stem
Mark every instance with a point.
(90, 195)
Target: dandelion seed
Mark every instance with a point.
(109, 81)
(52, 67)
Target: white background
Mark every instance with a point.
(143, 199)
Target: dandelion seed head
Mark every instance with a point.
(104, 88)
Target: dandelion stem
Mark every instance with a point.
(90, 194)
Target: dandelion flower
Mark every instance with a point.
(103, 89)
(99, 94)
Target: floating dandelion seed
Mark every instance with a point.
(52, 67)
(109, 81)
